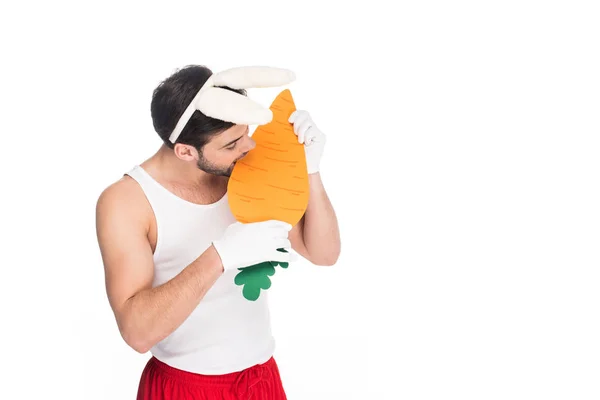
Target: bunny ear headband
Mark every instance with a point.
(230, 106)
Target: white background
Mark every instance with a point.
(462, 160)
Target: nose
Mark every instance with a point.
(250, 144)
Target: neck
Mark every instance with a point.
(177, 171)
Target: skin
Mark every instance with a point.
(126, 232)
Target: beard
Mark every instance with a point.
(214, 169)
(211, 168)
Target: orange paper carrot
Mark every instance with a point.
(271, 182)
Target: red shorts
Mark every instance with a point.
(160, 381)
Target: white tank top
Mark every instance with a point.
(225, 333)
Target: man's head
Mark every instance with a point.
(213, 144)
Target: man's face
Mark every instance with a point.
(220, 154)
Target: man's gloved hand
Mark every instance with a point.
(311, 136)
(243, 245)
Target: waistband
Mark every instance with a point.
(255, 373)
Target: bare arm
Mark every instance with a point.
(316, 237)
(144, 315)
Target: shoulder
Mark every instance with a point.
(123, 201)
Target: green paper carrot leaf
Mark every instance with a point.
(255, 278)
(282, 264)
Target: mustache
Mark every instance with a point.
(242, 156)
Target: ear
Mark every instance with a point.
(186, 152)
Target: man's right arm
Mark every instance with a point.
(145, 315)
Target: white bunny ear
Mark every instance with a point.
(233, 107)
(230, 106)
(253, 77)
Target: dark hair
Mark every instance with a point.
(169, 101)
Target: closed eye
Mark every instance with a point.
(231, 145)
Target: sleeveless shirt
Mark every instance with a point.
(225, 333)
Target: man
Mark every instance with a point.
(171, 249)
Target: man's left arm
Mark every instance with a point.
(316, 237)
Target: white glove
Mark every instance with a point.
(311, 136)
(243, 245)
